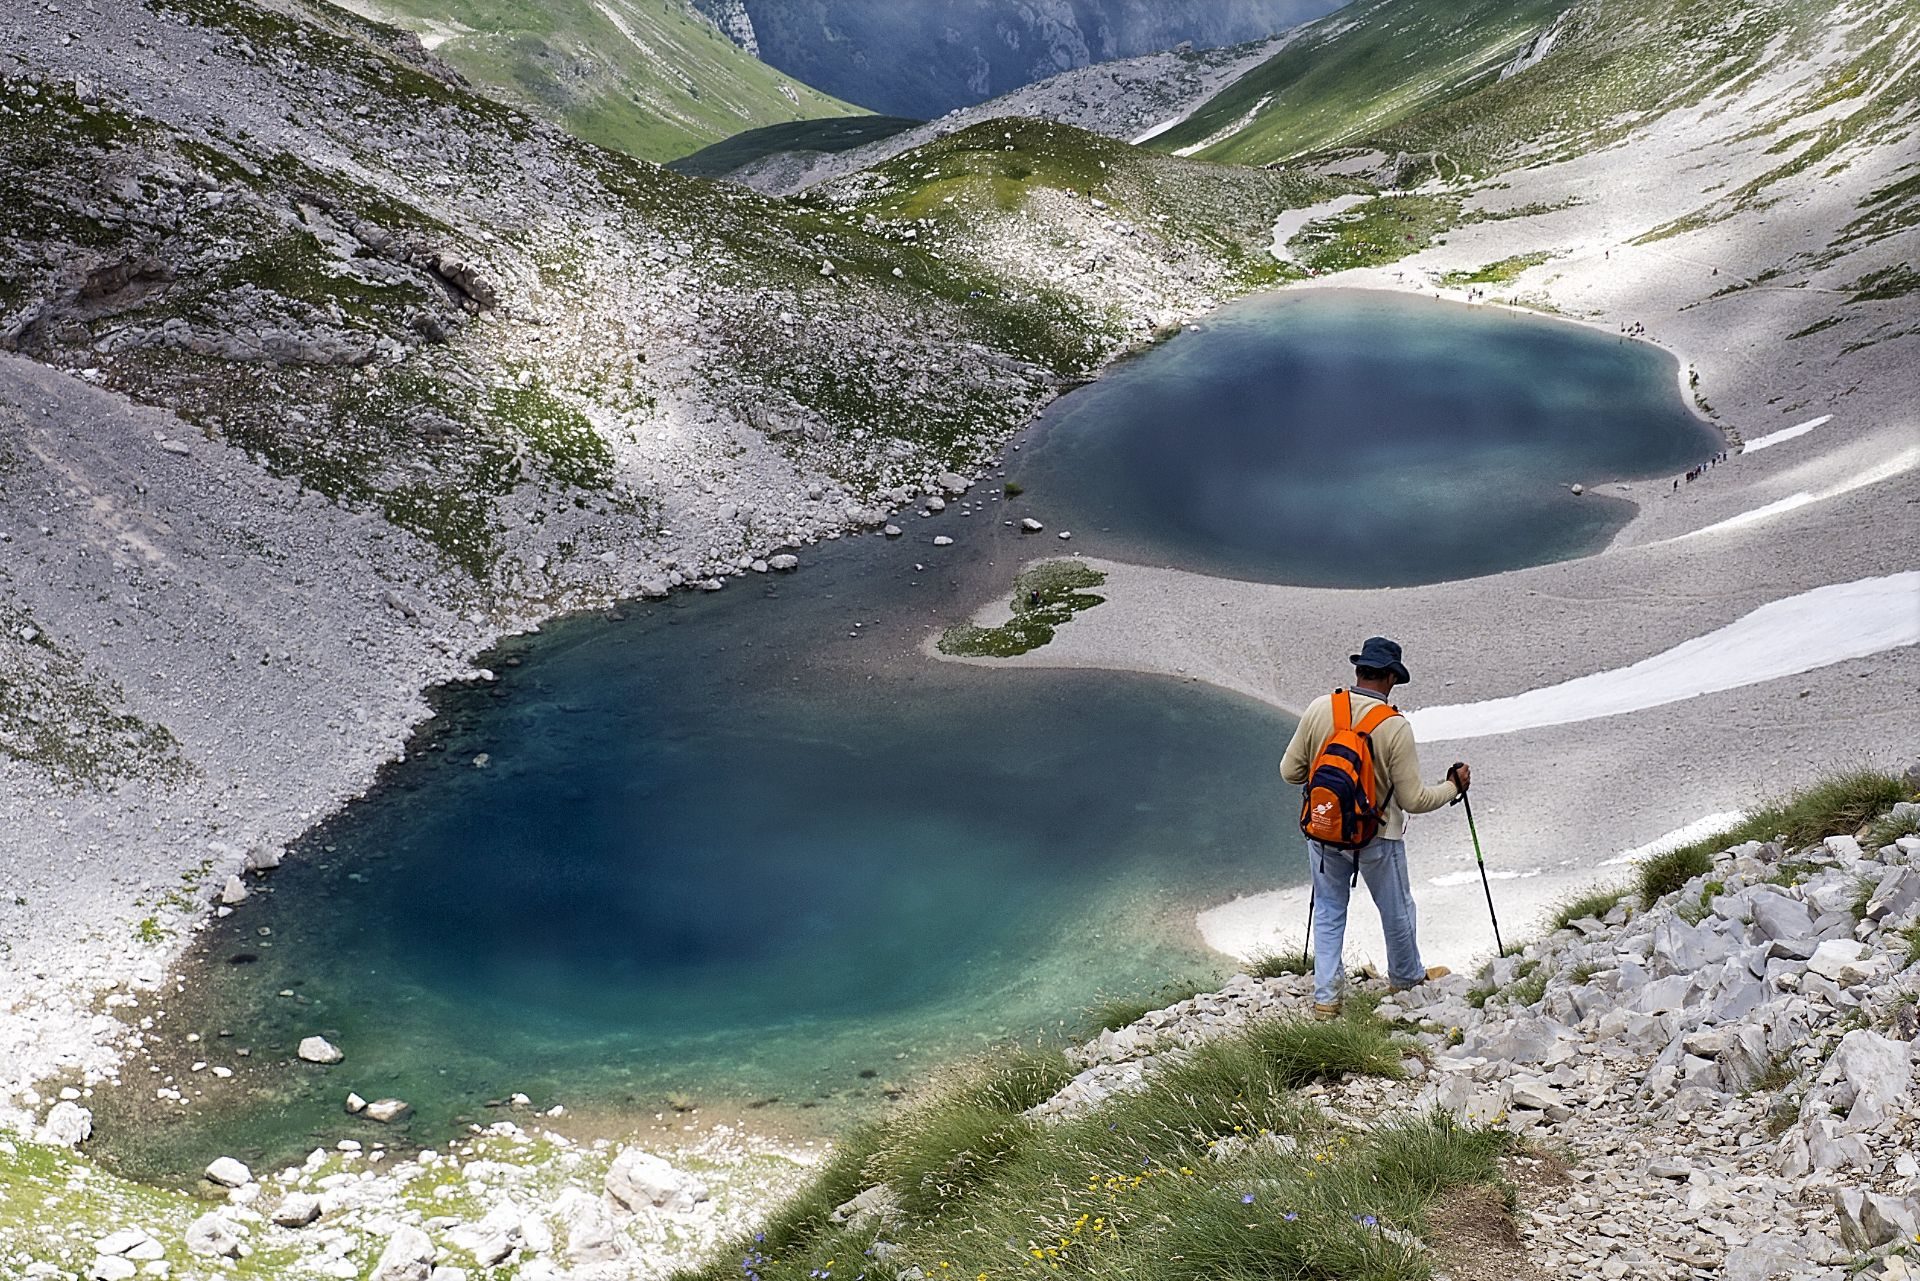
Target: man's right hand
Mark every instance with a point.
(1462, 776)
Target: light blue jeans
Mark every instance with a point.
(1383, 865)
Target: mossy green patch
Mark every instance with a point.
(1384, 229)
(1044, 598)
(1884, 285)
(1501, 272)
(571, 452)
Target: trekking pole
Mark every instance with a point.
(1475, 832)
(1307, 938)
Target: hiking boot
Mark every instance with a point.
(1433, 972)
(1326, 1011)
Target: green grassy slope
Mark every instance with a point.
(836, 133)
(1419, 81)
(649, 77)
(1360, 70)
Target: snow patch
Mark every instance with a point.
(1221, 135)
(1472, 876)
(1698, 830)
(1872, 476)
(1158, 129)
(1787, 433)
(1758, 514)
(1784, 638)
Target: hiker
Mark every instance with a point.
(1362, 837)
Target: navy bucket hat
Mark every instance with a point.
(1384, 654)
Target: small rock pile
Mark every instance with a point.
(1730, 1071)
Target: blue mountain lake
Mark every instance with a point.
(754, 846)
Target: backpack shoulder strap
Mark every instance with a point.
(1376, 717)
(1342, 710)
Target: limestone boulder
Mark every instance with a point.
(229, 1173)
(318, 1049)
(408, 1256)
(1776, 916)
(214, 1236)
(297, 1210)
(639, 1180)
(68, 1125)
(1868, 1069)
(1847, 962)
(590, 1234)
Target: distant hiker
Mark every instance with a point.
(1676, 484)
(1355, 754)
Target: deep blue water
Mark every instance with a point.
(1362, 439)
(754, 844)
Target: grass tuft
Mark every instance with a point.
(1665, 873)
(1303, 1052)
(1885, 831)
(1216, 1170)
(1839, 804)
(1593, 903)
(1272, 965)
(1111, 1013)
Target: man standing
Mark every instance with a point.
(1382, 861)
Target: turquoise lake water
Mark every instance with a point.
(753, 846)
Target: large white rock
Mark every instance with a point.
(229, 1173)
(122, 1241)
(386, 1111)
(68, 1125)
(1869, 1071)
(234, 891)
(590, 1232)
(112, 1268)
(491, 1240)
(1847, 962)
(318, 1049)
(407, 1257)
(212, 1236)
(1896, 897)
(953, 482)
(640, 1179)
(297, 1210)
(1780, 917)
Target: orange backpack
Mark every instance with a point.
(1339, 806)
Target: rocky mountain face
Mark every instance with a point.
(732, 18)
(924, 58)
(1125, 99)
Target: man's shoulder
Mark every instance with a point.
(1319, 712)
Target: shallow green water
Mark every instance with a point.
(754, 845)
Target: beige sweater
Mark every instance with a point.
(1396, 762)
